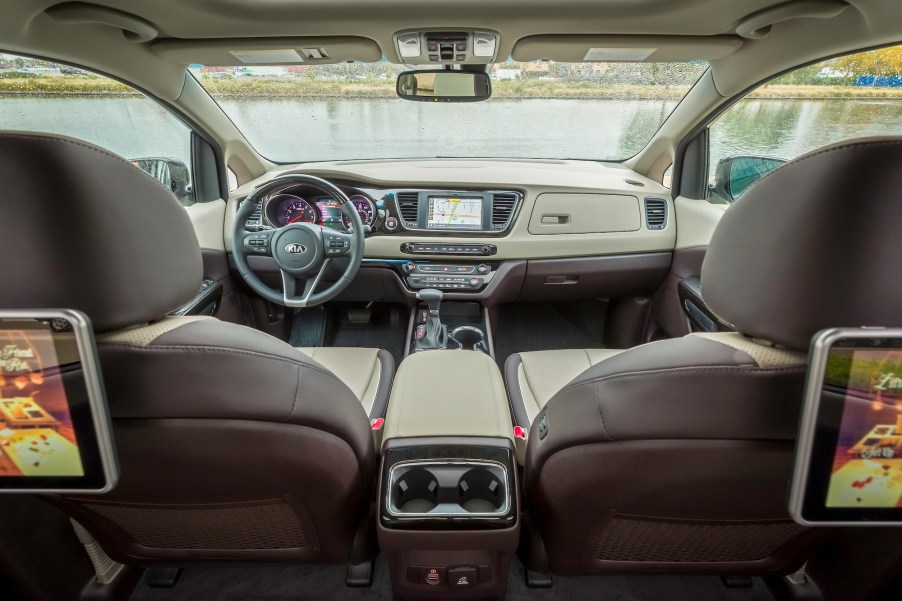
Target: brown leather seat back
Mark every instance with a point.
(232, 444)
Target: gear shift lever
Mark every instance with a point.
(436, 333)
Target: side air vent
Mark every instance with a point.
(655, 213)
(503, 205)
(409, 206)
(254, 223)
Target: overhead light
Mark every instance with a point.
(483, 44)
(409, 45)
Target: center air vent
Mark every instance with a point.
(503, 205)
(655, 213)
(408, 207)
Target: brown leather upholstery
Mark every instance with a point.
(676, 456)
(232, 444)
(795, 253)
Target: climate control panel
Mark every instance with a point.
(444, 276)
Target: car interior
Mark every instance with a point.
(372, 325)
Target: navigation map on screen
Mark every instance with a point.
(37, 436)
(867, 464)
(454, 212)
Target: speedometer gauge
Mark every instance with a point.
(294, 209)
(364, 207)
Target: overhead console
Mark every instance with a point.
(447, 47)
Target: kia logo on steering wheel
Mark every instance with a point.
(295, 249)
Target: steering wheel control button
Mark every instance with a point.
(464, 577)
(258, 243)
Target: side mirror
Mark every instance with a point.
(734, 175)
(444, 86)
(172, 173)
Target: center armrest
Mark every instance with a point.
(448, 393)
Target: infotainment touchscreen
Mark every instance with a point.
(455, 212)
(54, 426)
(849, 458)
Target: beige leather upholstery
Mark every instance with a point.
(539, 375)
(359, 368)
(448, 393)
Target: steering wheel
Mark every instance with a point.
(302, 251)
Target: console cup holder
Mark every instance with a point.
(456, 489)
(415, 492)
(469, 337)
(480, 491)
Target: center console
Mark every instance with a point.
(448, 490)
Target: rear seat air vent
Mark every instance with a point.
(655, 213)
(408, 206)
(503, 205)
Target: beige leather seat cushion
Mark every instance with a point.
(534, 377)
(362, 369)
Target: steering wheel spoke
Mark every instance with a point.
(258, 243)
(335, 243)
(291, 283)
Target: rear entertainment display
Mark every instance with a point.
(849, 463)
(455, 212)
(54, 428)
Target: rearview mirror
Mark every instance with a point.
(734, 175)
(172, 173)
(444, 86)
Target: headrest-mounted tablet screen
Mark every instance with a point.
(55, 431)
(849, 457)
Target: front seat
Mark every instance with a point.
(676, 456)
(232, 444)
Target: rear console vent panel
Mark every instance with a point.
(655, 213)
(408, 207)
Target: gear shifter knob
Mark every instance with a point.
(432, 297)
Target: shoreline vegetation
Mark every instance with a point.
(525, 88)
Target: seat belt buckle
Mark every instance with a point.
(520, 432)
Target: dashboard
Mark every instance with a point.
(308, 205)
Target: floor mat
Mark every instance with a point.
(303, 583)
(525, 327)
(386, 329)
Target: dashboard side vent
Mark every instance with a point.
(655, 213)
(503, 205)
(254, 223)
(408, 207)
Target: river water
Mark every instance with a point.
(319, 129)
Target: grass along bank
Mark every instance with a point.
(256, 87)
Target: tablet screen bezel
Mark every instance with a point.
(88, 409)
(819, 431)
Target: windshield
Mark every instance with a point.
(598, 111)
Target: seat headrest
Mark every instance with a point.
(82, 228)
(815, 244)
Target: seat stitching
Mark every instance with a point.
(489, 373)
(210, 349)
(297, 391)
(683, 370)
(600, 412)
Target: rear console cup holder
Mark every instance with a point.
(469, 338)
(448, 489)
(416, 491)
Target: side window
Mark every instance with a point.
(853, 96)
(41, 96)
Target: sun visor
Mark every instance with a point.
(269, 51)
(565, 48)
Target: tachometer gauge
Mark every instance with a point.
(365, 208)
